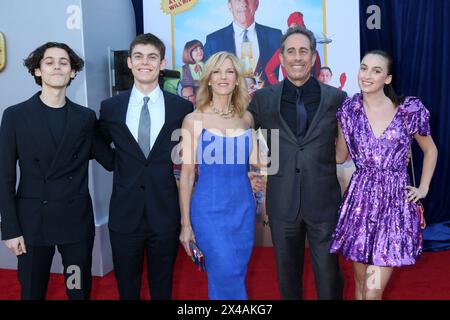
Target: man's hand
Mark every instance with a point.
(16, 245)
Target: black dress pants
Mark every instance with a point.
(129, 249)
(34, 270)
(289, 243)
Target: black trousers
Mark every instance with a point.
(289, 242)
(34, 270)
(161, 247)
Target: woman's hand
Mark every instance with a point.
(415, 194)
(256, 181)
(187, 235)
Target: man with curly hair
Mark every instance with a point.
(52, 140)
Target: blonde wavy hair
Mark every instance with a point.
(240, 97)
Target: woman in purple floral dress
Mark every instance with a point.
(378, 226)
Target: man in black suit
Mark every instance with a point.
(304, 195)
(52, 139)
(144, 212)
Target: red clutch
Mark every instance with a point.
(421, 213)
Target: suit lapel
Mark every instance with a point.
(122, 107)
(44, 145)
(74, 125)
(228, 39)
(121, 118)
(323, 106)
(262, 43)
(276, 103)
(169, 117)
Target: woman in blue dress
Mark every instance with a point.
(219, 213)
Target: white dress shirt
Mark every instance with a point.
(252, 37)
(156, 109)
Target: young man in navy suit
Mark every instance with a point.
(52, 140)
(243, 33)
(144, 213)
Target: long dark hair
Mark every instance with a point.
(388, 88)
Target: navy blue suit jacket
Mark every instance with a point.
(269, 40)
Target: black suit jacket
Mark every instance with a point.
(143, 185)
(306, 182)
(52, 204)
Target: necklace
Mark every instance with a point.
(229, 113)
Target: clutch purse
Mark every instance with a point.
(421, 213)
(197, 256)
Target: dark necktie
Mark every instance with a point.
(245, 37)
(144, 128)
(302, 116)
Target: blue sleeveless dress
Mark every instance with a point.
(223, 212)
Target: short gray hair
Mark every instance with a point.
(299, 30)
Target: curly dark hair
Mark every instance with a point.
(33, 61)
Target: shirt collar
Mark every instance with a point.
(238, 30)
(289, 87)
(138, 97)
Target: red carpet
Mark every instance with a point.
(428, 279)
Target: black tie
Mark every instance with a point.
(302, 116)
